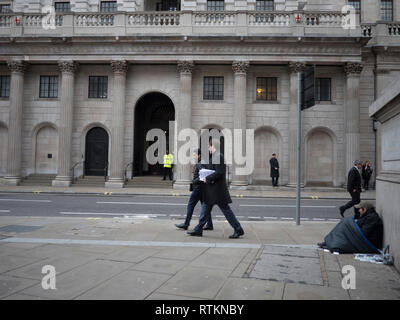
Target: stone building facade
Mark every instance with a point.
(81, 91)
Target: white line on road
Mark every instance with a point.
(318, 219)
(115, 214)
(144, 203)
(281, 206)
(4, 211)
(286, 218)
(25, 200)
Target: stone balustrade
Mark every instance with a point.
(157, 18)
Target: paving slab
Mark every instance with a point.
(180, 253)
(195, 282)
(163, 296)
(10, 285)
(295, 291)
(132, 254)
(160, 265)
(129, 285)
(79, 280)
(11, 262)
(251, 289)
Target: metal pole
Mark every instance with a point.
(298, 148)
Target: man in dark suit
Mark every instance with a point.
(354, 188)
(215, 192)
(274, 164)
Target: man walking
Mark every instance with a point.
(215, 192)
(195, 197)
(168, 161)
(354, 188)
(274, 164)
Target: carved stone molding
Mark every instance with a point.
(297, 66)
(354, 68)
(67, 66)
(119, 66)
(185, 66)
(17, 66)
(240, 66)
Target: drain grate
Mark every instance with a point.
(19, 228)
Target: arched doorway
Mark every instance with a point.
(153, 111)
(3, 148)
(320, 159)
(266, 142)
(96, 152)
(46, 151)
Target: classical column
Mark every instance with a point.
(352, 114)
(116, 179)
(183, 119)
(63, 178)
(13, 176)
(294, 68)
(240, 69)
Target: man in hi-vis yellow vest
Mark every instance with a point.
(168, 161)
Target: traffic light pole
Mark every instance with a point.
(298, 192)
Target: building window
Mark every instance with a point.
(62, 7)
(48, 87)
(108, 6)
(213, 88)
(98, 87)
(387, 10)
(5, 8)
(168, 5)
(218, 5)
(266, 89)
(265, 5)
(356, 4)
(4, 86)
(323, 89)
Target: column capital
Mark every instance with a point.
(297, 66)
(185, 66)
(17, 66)
(67, 66)
(353, 68)
(119, 66)
(240, 66)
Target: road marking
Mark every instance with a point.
(133, 243)
(281, 206)
(4, 211)
(283, 218)
(143, 203)
(273, 218)
(25, 200)
(136, 215)
(318, 219)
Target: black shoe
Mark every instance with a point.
(182, 226)
(208, 228)
(341, 212)
(195, 234)
(237, 234)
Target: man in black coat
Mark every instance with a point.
(215, 192)
(354, 188)
(195, 197)
(274, 165)
(370, 223)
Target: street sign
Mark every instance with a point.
(308, 88)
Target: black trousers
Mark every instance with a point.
(169, 171)
(366, 183)
(275, 181)
(355, 199)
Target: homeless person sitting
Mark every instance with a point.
(363, 235)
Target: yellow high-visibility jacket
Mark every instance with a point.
(168, 160)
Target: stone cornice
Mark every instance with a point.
(353, 68)
(67, 66)
(185, 66)
(17, 66)
(119, 66)
(297, 66)
(240, 67)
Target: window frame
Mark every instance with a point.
(274, 93)
(264, 3)
(214, 7)
(318, 89)
(9, 4)
(98, 87)
(63, 9)
(7, 87)
(51, 89)
(217, 95)
(108, 2)
(386, 10)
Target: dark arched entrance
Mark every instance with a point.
(96, 152)
(153, 111)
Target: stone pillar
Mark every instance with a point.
(13, 175)
(117, 179)
(352, 114)
(294, 68)
(240, 69)
(183, 120)
(63, 178)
